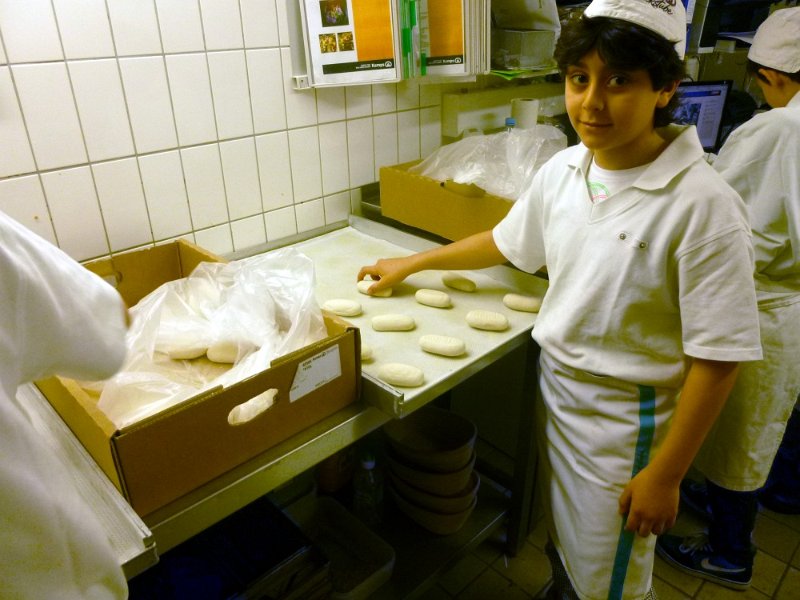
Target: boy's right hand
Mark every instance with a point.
(386, 273)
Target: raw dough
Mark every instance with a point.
(367, 353)
(393, 322)
(343, 307)
(487, 319)
(228, 351)
(443, 344)
(401, 375)
(184, 352)
(434, 298)
(365, 284)
(458, 282)
(247, 411)
(522, 303)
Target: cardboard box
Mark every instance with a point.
(450, 210)
(162, 457)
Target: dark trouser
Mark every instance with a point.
(783, 482)
(562, 587)
(731, 528)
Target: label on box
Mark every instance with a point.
(315, 372)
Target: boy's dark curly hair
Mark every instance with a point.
(624, 46)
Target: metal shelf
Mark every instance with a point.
(421, 556)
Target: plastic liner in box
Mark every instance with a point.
(257, 552)
(360, 561)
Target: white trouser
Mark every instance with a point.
(595, 433)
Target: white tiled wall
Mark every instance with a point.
(125, 123)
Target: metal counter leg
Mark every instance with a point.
(522, 493)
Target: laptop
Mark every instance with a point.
(702, 104)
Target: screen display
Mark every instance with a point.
(702, 104)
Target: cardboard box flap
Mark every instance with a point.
(135, 274)
(420, 201)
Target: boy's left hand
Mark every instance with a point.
(650, 502)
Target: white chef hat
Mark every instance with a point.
(667, 18)
(777, 42)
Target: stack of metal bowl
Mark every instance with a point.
(431, 459)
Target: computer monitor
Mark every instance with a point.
(702, 104)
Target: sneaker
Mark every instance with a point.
(694, 495)
(693, 554)
(779, 503)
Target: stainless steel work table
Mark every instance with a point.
(361, 242)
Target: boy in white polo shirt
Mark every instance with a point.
(650, 264)
(761, 161)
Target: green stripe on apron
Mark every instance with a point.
(647, 426)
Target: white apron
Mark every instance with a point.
(739, 450)
(595, 433)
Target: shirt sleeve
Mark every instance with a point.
(519, 235)
(719, 313)
(59, 318)
(761, 162)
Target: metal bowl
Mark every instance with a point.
(433, 439)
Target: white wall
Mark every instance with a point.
(125, 123)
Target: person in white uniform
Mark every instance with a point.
(761, 161)
(55, 318)
(650, 263)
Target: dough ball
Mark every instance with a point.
(184, 351)
(228, 351)
(393, 322)
(522, 303)
(433, 298)
(444, 345)
(224, 351)
(487, 320)
(343, 307)
(367, 353)
(401, 375)
(458, 282)
(365, 284)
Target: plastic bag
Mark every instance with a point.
(501, 163)
(260, 308)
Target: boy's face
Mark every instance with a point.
(612, 112)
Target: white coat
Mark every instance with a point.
(761, 161)
(55, 317)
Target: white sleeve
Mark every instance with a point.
(519, 236)
(57, 317)
(760, 161)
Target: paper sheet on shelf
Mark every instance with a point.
(129, 536)
(351, 41)
(339, 255)
(743, 36)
